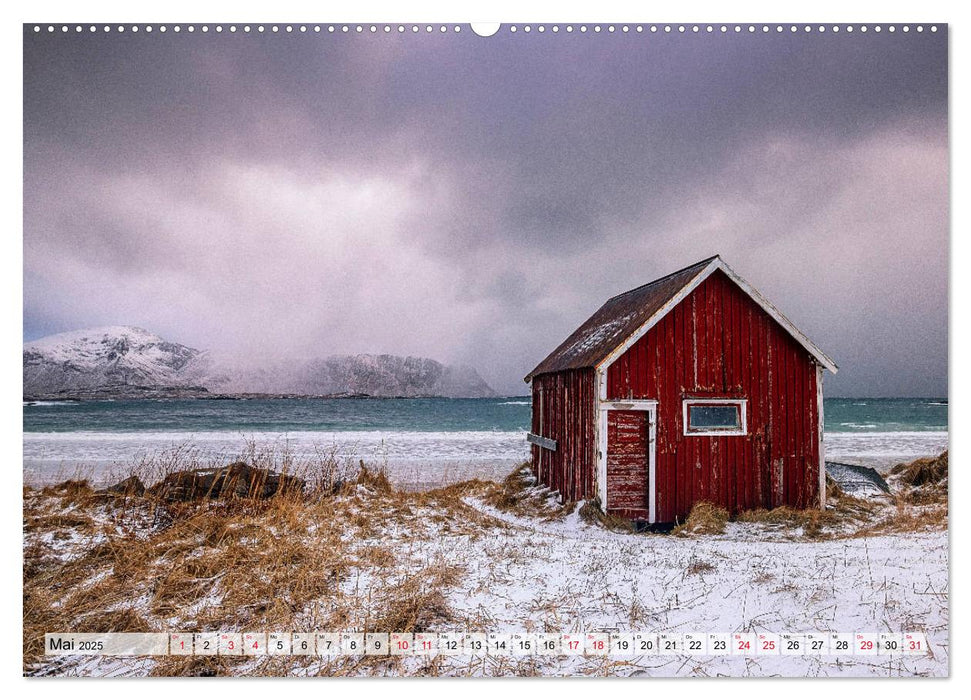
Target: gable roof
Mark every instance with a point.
(625, 318)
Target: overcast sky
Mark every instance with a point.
(474, 200)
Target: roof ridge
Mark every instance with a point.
(620, 322)
(706, 261)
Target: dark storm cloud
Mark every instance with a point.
(474, 199)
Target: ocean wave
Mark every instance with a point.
(516, 403)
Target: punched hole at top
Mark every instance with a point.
(485, 29)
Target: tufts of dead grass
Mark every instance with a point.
(833, 490)
(69, 494)
(922, 472)
(292, 561)
(904, 516)
(698, 567)
(704, 519)
(592, 514)
(376, 480)
(920, 500)
(515, 488)
(923, 482)
(812, 521)
(416, 602)
(520, 494)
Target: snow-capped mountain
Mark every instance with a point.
(102, 358)
(123, 361)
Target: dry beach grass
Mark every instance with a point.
(353, 552)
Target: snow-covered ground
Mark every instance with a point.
(527, 572)
(575, 577)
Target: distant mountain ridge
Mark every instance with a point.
(82, 361)
(130, 362)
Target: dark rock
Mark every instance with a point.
(238, 480)
(132, 486)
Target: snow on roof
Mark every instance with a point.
(626, 317)
(616, 320)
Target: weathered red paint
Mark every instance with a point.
(627, 470)
(563, 410)
(717, 342)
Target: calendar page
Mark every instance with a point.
(436, 349)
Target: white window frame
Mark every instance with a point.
(742, 411)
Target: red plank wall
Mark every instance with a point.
(719, 343)
(568, 417)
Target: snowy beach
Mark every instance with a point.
(412, 547)
(415, 459)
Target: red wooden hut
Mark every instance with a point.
(690, 388)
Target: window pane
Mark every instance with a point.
(713, 417)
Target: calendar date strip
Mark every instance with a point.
(474, 644)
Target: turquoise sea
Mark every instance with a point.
(421, 415)
(420, 441)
